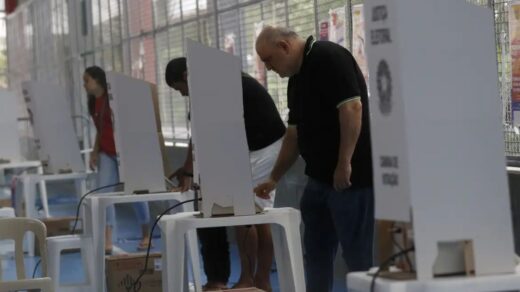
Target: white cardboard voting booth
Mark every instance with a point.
(218, 131)
(10, 150)
(58, 148)
(136, 135)
(436, 129)
(51, 119)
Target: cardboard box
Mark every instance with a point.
(61, 225)
(5, 203)
(123, 270)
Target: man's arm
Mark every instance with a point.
(188, 163)
(286, 158)
(184, 174)
(95, 153)
(96, 143)
(350, 113)
(288, 154)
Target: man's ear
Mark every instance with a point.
(284, 45)
(185, 76)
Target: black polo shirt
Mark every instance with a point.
(329, 76)
(264, 126)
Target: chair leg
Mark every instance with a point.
(193, 247)
(53, 260)
(281, 258)
(295, 253)
(174, 262)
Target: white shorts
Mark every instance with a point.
(262, 163)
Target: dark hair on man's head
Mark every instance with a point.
(99, 75)
(175, 71)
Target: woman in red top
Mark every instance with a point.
(103, 156)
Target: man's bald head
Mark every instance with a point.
(270, 35)
(280, 49)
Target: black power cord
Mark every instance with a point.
(386, 263)
(77, 216)
(36, 268)
(137, 283)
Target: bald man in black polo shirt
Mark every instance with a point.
(329, 127)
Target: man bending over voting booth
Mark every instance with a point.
(222, 169)
(264, 130)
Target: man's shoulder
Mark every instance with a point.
(249, 82)
(329, 51)
(252, 88)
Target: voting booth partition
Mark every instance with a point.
(437, 139)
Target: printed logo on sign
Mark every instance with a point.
(384, 87)
(379, 13)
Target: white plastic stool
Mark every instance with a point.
(95, 222)
(5, 245)
(28, 196)
(6, 212)
(25, 165)
(285, 226)
(57, 244)
(24, 185)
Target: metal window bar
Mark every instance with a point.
(118, 29)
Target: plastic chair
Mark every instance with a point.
(95, 223)
(26, 195)
(178, 231)
(15, 229)
(57, 244)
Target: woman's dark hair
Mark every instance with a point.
(99, 75)
(175, 70)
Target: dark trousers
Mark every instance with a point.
(330, 217)
(215, 253)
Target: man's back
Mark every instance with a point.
(263, 123)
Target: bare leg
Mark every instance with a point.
(265, 257)
(247, 241)
(145, 231)
(215, 255)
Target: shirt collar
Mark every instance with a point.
(309, 44)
